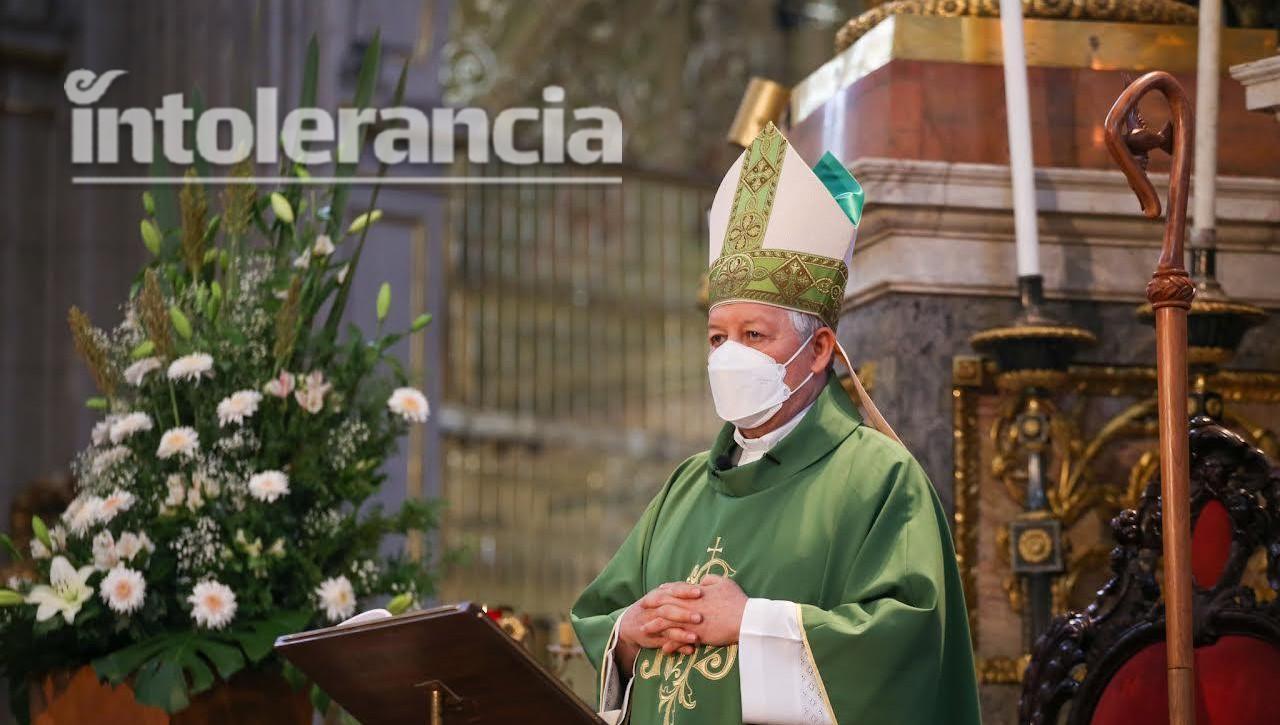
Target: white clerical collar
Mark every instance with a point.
(753, 449)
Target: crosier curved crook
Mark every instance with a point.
(1130, 142)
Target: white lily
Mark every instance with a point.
(68, 589)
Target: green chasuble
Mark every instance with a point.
(837, 518)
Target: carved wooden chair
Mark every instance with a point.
(1106, 665)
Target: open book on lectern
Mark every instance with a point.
(446, 665)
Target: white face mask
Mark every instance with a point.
(748, 385)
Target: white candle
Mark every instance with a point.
(1204, 191)
(1021, 164)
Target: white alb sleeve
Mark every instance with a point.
(780, 682)
(613, 697)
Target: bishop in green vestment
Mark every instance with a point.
(800, 572)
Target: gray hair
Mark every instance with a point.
(805, 324)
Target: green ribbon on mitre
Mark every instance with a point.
(843, 187)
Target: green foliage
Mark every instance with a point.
(181, 324)
(281, 206)
(9, 546)
(384, 301)
(400, 603)
(242, 306)
(359, 223)
(41, 531)
(364, 91)
(151, 236)
(170, 668)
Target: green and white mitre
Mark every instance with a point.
(782, 233)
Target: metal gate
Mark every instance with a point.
(574, 378)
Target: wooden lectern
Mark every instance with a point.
(441, 666)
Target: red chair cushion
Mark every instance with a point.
(1237, 679)
(1210, 544)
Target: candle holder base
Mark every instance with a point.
(1036, 350)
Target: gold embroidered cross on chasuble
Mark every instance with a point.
(710, 663)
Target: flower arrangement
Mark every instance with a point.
(223, 499)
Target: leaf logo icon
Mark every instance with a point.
(83, 86)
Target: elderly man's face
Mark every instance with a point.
(769, 330)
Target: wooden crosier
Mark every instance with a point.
(1170, 292)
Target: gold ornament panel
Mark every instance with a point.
(1163, 12)
(1099, 455)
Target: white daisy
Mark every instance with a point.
(67, 591)
(311, 392)
(177, 490)
(323, 246)
(181, 440)
(138, 372)
(58, 537)
(107, 459)
(194, 499)
(81, 514)
(281, 386)
(102, 430)
(337, 598)
(123, 589)
(127, 425)
(213, 604)
(268, 486)
(302, 261)
(410, 404)
(130, 545)
(311, 399)
(208, 485)
(114, 503)
(238, 406)
(191, 367)
(105, 555)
